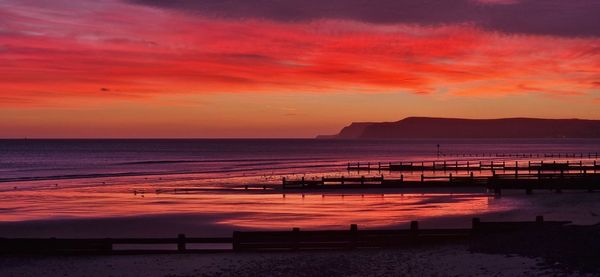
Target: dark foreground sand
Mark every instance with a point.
(447, 260)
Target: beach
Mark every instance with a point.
(299, 138)
(447, 260)
(159, 189)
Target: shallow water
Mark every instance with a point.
(108, 188)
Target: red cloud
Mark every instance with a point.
(49, 58)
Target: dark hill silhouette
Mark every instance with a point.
(427, 127)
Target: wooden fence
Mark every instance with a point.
(272, 240)
(497, 182)
(588, 165)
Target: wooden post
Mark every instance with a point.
(401, 177)
(353, 235)
(235, 241)
(450, 178)
(342, 180)
(414, 225)
(283, 182)
(539, 220)
(422, 178)
(562, 174)
(475, 223)
(362, 180)
(414, 230)
(296, 238)
(495, 184)
(181, 242)
(302, 183)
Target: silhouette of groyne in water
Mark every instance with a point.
(492, 175)
(477, 165)
(495, 182)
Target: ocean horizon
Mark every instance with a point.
(96, 184)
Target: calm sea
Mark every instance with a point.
(47, 159)
(112, 188)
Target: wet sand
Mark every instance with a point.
(448, 260)
(185, 214)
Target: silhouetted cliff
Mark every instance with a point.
(426, 127)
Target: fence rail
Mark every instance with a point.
(273, 240)
(528, 181)
(468, 166)
(102, 245)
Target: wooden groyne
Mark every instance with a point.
(105, 245)
(580, 165)
(588, 155)
(497, 182)
(274, 240)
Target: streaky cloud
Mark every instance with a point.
(550, 17)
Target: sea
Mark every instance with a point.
(157, 187)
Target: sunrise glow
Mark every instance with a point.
(146, 69)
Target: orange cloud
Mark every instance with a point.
(123, 51)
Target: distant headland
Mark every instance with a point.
(429, 127)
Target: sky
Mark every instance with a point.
(288, 68)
